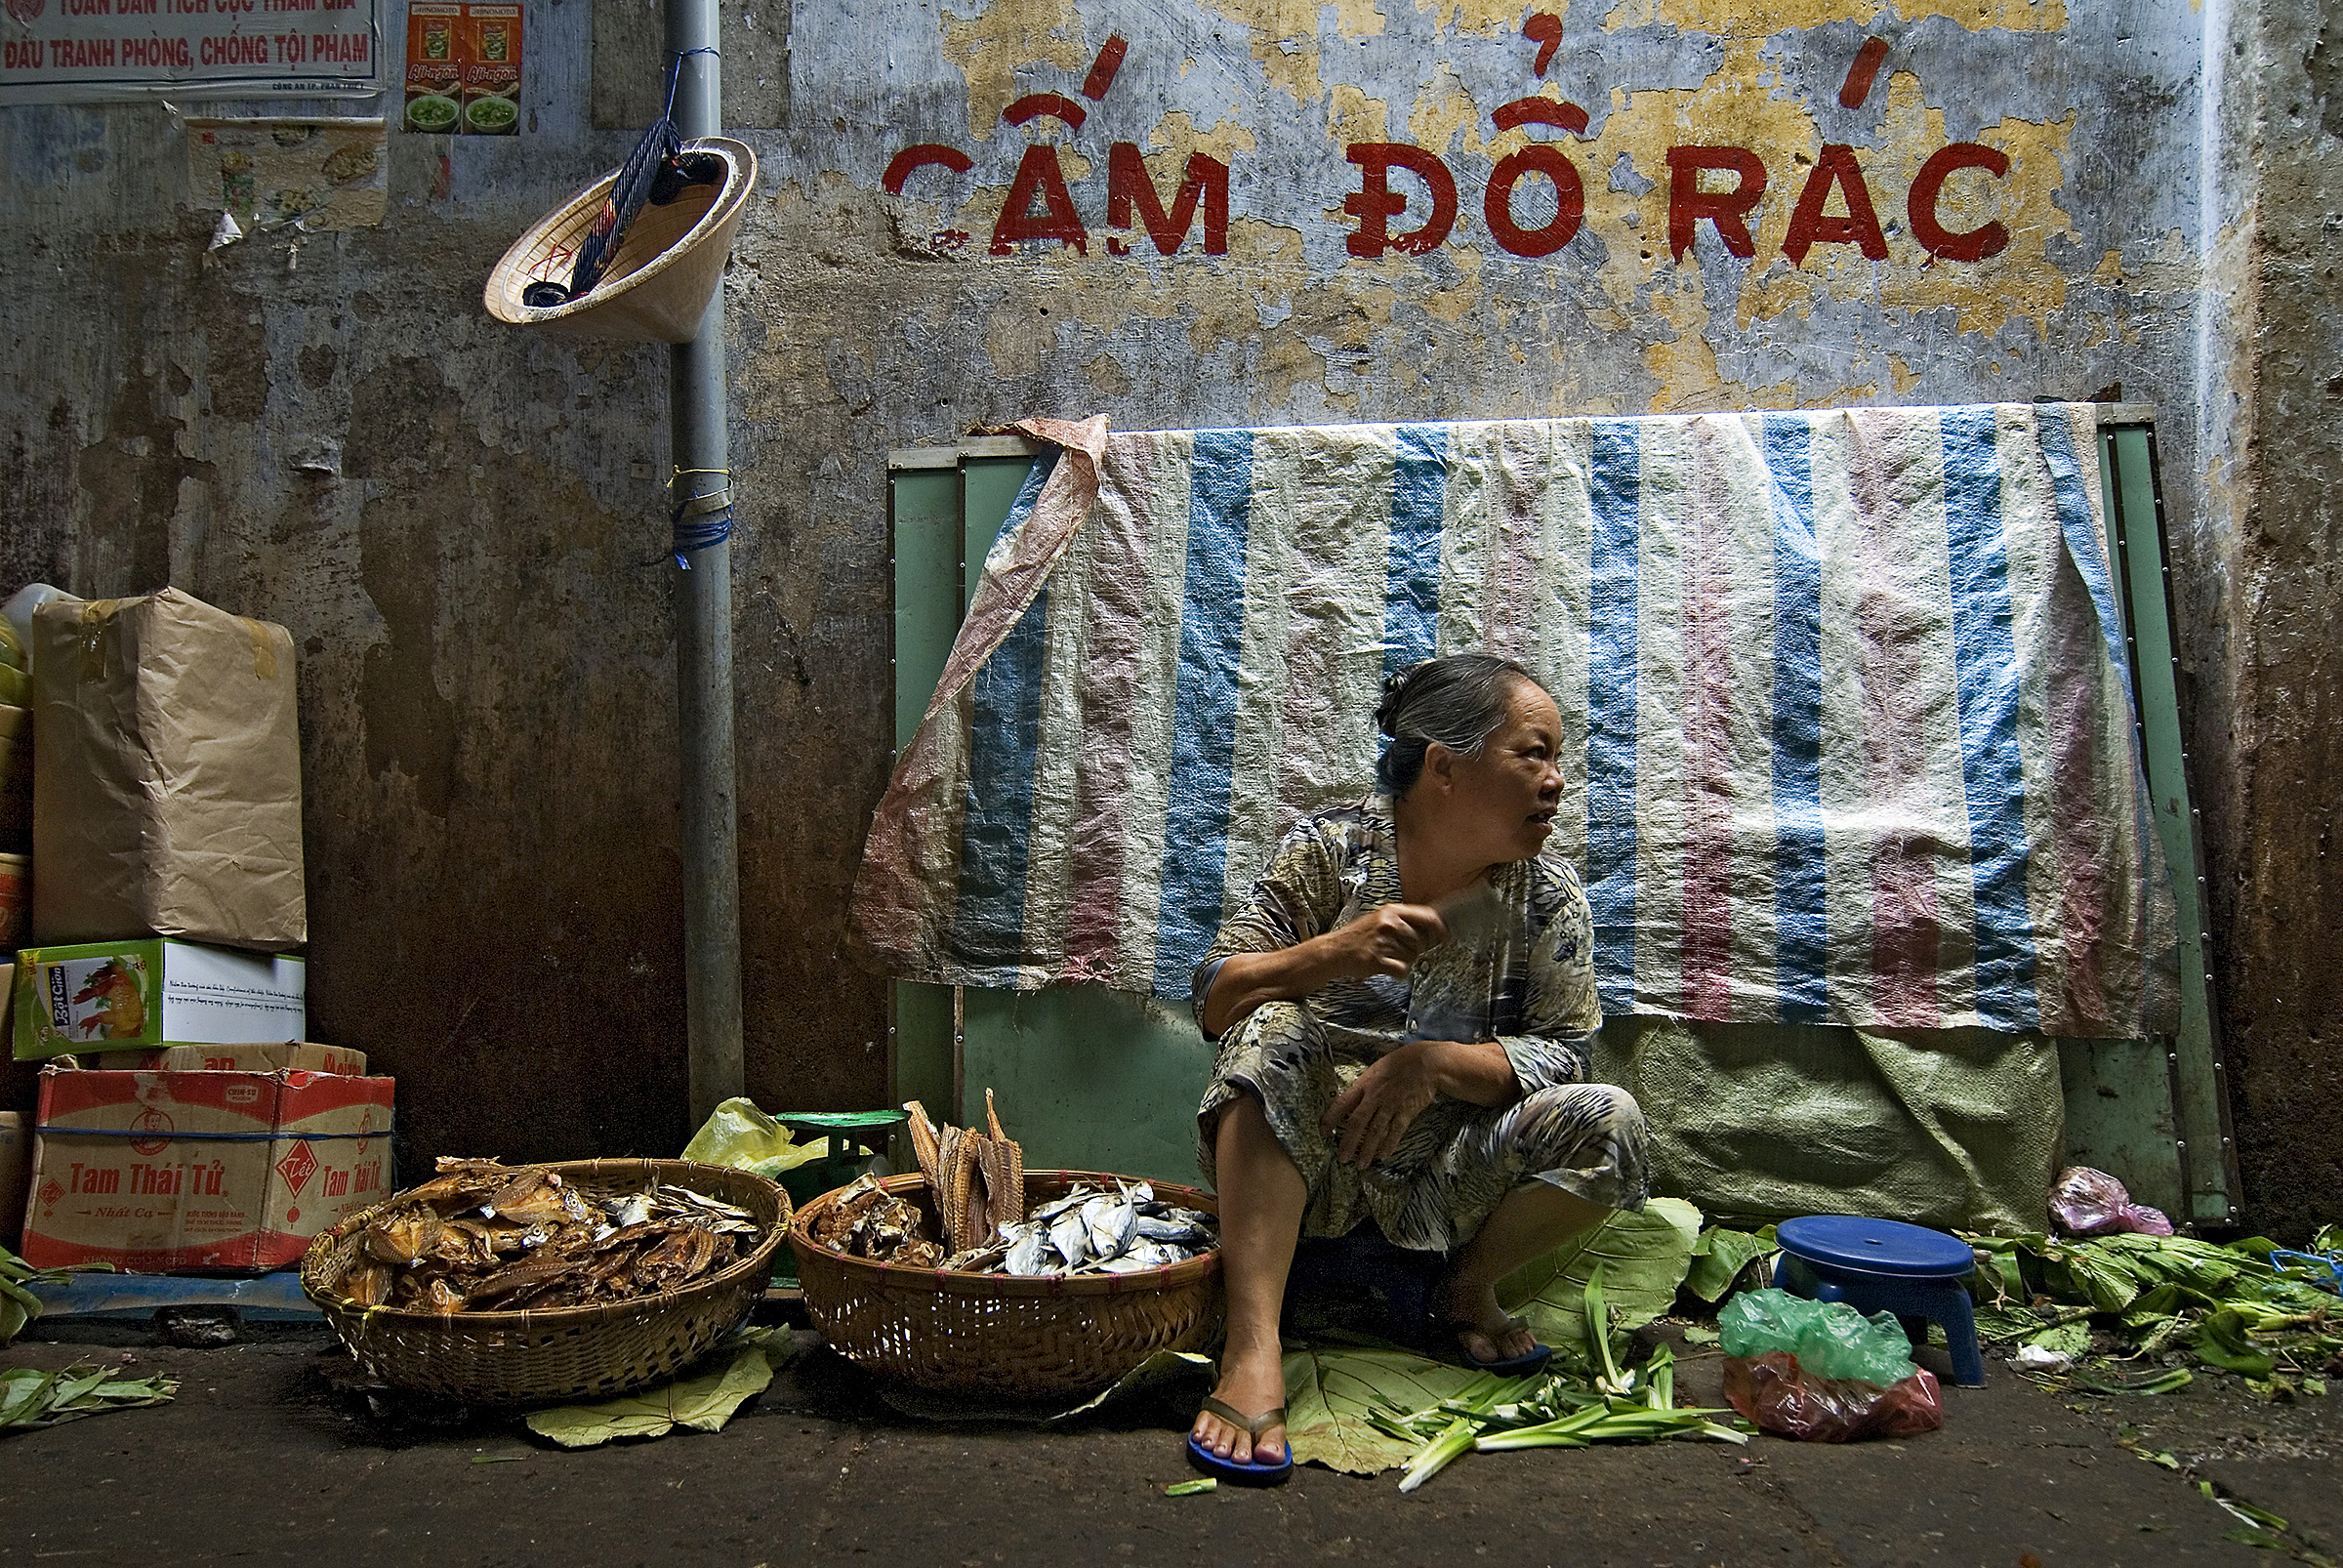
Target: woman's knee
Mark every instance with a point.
(1568, 1114)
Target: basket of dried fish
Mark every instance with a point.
(1093, 1274)
(496, 1284)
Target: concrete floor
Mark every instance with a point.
(262, 1460)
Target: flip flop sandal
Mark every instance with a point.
(1250, 1472)
(1450, 1337)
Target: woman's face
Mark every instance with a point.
(1504, 799)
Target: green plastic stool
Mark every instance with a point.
(844, 1160)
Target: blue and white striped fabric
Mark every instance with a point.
(1843, 693)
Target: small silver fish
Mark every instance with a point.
(1030, 1254)
(1110, 1221)
(1071, 1237)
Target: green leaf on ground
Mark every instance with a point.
(1189, 1489)
(1158, 1369)
(33, 1398)
(1644, 1258)
(703, 1403)
(1331, 1395)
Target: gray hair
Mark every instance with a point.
(1458, 701)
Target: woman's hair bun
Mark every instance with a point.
(1386, 711)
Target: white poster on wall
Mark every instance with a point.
(86, 51)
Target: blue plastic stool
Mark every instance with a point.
(1883, 1266)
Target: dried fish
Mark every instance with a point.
(976, 1188)
(482, 1236)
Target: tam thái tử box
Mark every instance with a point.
(161, 1171)
(120, 996)
(299, 1055)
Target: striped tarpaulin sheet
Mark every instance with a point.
(1846, 710)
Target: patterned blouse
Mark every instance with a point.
(1523, 975)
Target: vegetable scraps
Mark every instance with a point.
(29, 1397)
(2165, 1299)
(1370, 1409)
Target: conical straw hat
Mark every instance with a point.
(668, 266)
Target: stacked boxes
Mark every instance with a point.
(166, 792)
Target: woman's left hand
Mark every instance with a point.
(1383, 1102)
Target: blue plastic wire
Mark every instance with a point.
(706, 528)
(2286, 1262)
(674, 71)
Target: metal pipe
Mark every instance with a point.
(698, 408)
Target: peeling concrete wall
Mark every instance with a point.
(2270, 722)
(971, 212)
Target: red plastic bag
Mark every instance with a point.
(1785, 1399)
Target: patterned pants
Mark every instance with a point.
(1456, 1161)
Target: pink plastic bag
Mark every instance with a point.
(1785, 1399)
(2091, 1203)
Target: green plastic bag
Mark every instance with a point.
(1829, 1339)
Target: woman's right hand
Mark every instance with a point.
(1385, 941)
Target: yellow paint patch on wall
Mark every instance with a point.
(1010, 36)
(1685, 366)
(1443, 111)
(1454, 305)
(1485, 17)
(1176, 133)
(1283, 36)
(1352, 116)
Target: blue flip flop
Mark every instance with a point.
(1250, 1472)
(1528, 1364)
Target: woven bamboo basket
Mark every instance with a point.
(564, 1354)
(1046, 1336)
(666, 268)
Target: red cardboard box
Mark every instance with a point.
(299, 1055)
(161, 1172)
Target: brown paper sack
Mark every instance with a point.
(166, 775)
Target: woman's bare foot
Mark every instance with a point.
(1254, 1384)
(1492, 1334)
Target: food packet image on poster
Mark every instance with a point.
(492, 69)
(435, 66)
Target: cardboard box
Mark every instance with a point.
(154, 992)
(298, 1054)
(16, 1175)
(162, 1171)
(166, 775)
